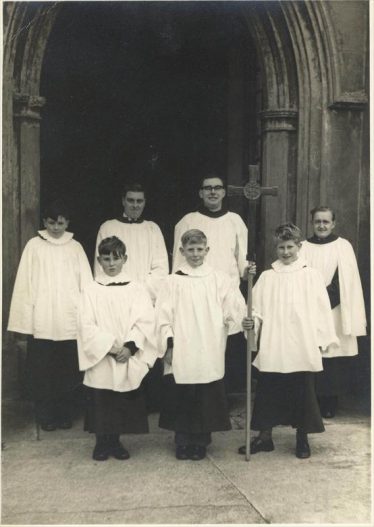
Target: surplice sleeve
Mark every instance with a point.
(234, 307)
(258, 304)
(93, 342)
(160, 262)
(242, 242)
(22, 304)
(179, 229)
(351, 295)
(85, 273)
(164, 316)
(99, 238)
(143, 329)
(324, 320)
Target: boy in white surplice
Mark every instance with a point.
(196, 309)
(291, 306)
(52, 272)
(116, 349)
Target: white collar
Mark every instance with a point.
(202, 270)
(280, 267)
(105, 279)
(65, 238)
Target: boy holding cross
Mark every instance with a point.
(291, 306)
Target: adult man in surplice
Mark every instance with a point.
(147, 262)
(143, 239)
(225, 230)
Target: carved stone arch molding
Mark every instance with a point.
(301, 67)
(296, 48)
(312, 113)
(313, 102)
(26, 30)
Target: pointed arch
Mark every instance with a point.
(313, 112)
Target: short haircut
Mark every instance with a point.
(322, 208)
(133, 187)
(112, 245)
(56, 208)
(209, 174)
(287, 232)
(193, 236)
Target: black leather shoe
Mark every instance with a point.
(48, 427)
(302, 446)
(182, 452)
(258, 445)
(100, 453)
(197, 452)
(119, 451)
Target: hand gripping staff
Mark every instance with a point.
(252, 191)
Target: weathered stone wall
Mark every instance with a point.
(26, 30)
(313, 58)
(346, 182)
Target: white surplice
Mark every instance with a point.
(113, 315)
(227, 240)
(51, 274)
(292, 304)
(147, 259)
(349, 315)
(198, 310)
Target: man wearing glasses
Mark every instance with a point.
(226, 232)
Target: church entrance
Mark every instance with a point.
(150, 92)
(96, 92)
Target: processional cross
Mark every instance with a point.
(252, 191)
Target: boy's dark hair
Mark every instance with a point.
(133, 187)
(322, 208)
(287, 231)
(112, 245)
(56, 208)
(193, 236)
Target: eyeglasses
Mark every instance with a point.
(209, 188)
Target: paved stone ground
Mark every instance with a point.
(55, 481)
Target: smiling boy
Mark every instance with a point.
(147, 260)
(291, 306)
(116, 346)
(196, 309)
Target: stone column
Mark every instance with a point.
(22, 192)
(278, 129)
(27, 126)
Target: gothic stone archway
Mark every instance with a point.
(314, 119)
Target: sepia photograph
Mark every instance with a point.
(186, 269)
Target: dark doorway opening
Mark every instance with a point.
(140, 90)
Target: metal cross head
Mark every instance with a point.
(252, 190)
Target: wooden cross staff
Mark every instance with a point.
(252, 191)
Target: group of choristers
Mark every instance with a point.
(308, 310)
